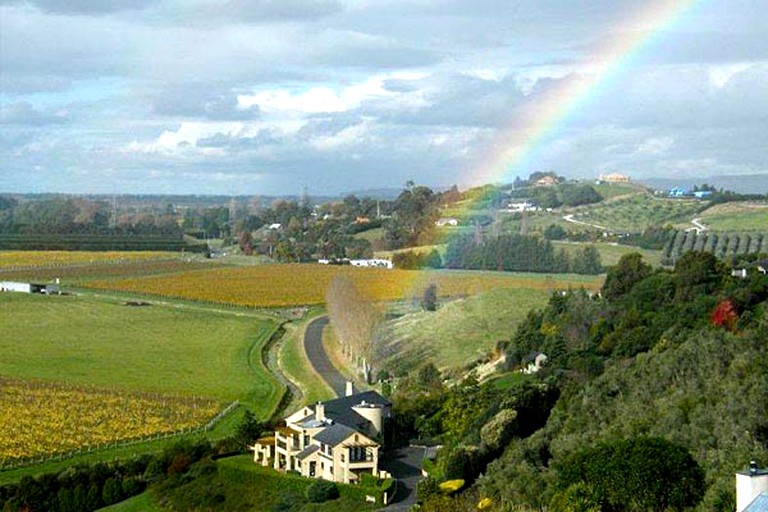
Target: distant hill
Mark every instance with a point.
(742, 184)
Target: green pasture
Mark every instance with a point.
(141, 503)
(459, 331)
(755, 220)
(611, 253)
(158, 348)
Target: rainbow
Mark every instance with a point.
(538, 123)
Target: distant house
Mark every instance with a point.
(677, 192)
(275, 226)
(11, 286)
(546, 181)
(534, 362)
(336, 440)
(362, 220)
(701, 194)
(614, 178)
(372, 263)
(446, 222)
(524, 206)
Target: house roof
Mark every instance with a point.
(759, 504)
(335, 434)
(306, 452)
(340, 410)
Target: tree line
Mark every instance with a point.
(519, 253)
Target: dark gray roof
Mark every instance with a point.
(760, 504)
(306, 452)
(335, 434)
(340, 409)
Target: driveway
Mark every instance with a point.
(313, 345)
(405, 465)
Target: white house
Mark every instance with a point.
(534, 362)
(335, 440)
(372, 263)
(446, 222)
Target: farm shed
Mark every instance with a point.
(11, 286)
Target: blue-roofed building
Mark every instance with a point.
(677, 192)
(336, 440)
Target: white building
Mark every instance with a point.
(336, 440)
(752, 489)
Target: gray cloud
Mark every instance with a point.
(205, 101)
(89, 7)
(24, 114)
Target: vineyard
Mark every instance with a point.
(723, 245)
(74, 273)
(295, 284)
(30, 259)
(90, 242)
(42, 418)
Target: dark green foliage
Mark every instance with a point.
(426, 488)
(411, 260)
(429, 299)
(636, 475)
(620, 279)
(576, 195)
(519, 253)
(429, 376)
(555, 232)
(321, 491)
(248, 431)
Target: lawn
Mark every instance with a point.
(459, 331)
(164, 349)
(141, 503)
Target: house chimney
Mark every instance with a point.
(350, 388)
(320, 411)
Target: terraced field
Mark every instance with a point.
(638, 212)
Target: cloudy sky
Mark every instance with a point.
(268, 96)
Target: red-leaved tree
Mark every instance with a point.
(724, 315)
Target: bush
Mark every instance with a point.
(321, 491)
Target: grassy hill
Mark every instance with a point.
(457, 333)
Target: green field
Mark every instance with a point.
(722, 218)
(611, 253)
(459, 331)
(173, 349)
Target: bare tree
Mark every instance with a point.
(353, 318)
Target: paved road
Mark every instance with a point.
(405, 465)
(313, 345)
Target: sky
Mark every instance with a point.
(242, 97)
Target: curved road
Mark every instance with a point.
(313, 345)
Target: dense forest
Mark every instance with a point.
(666, 369)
